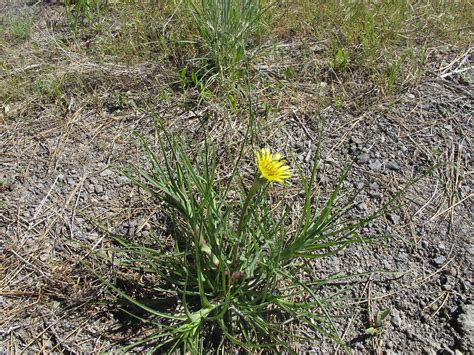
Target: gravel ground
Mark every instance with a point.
(61, 174)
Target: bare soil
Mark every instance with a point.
(60, 174)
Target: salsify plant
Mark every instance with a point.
(232, 275)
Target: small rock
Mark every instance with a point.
(447, 287)
(90, 188)
(466, 284)
(374, 186)
(439, 260)
(123, 180)
(98, 189)
(375, 165)
(363, 158)
(396, 319)
(71, 181)
(394, 218)
(106, 172)
(446, 351)
(429, 351)
(323, 179)
(441, 246)
(466, 320)
(393, 165)
(132, 226)
(93, 180)
(401, 256)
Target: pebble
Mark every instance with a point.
(98, 189)
(447, 287)
(439, 260)
(448, 282)
(374, 186)
(106, 172)
(394, 218)
(375, 165)
(428, 350)
(393, 165)
(93, 180)
(122, 180)
(132, 226)
(401, 256)
(396, 319)
(363, 158)
(466, 320)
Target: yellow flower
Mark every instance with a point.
(271, 167)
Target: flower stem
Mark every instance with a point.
(257, 184)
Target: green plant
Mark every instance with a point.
(392, 76)
(342, 58)
(376, 326)
(224, 28)
(80, 10)
(233, 269)
(195, 82)
(20, 28)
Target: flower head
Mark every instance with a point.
(271, 167)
